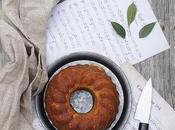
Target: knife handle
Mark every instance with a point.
(143, 126)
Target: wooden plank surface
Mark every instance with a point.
(162, 66)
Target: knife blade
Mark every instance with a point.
(144, 106)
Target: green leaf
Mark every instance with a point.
(146, 30)
(119, 29)
(131, 13)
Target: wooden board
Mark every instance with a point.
(162, 66)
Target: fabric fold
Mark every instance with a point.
(23, 70)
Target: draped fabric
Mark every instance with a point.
(23, 71)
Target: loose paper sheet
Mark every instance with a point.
(85, 25)
(162, 115)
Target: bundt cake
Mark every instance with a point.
(91, 79)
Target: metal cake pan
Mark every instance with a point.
(88, 56)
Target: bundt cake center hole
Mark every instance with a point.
(81, 101)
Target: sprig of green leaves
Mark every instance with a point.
(131, 14)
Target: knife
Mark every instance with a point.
(144, 106)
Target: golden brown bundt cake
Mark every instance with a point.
(81, 77)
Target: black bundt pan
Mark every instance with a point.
(102, 60)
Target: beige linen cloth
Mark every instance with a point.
(22, 44)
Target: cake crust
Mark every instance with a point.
(81, 77)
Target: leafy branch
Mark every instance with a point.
(131, 14)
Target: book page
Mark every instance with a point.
(85, 25)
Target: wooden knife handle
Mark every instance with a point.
(143, 126)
